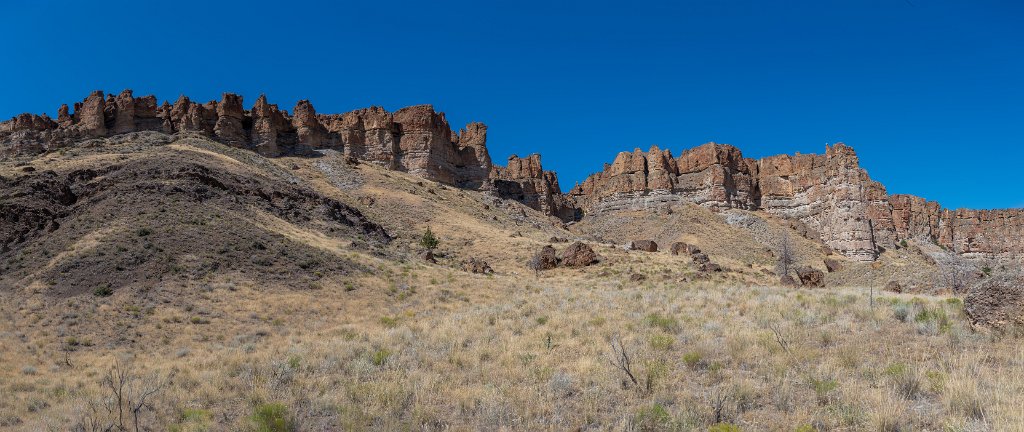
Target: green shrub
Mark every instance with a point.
(103, 291)
(142, 232)
(665, 323)
(389, 322)
(272, 417)
(380, 357)
(662, 342)
(655, 417)
(901, 312)
(823, 389)
(428, 240)
(724, 427)
(693, 359)
(903, 243)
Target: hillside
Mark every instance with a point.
(241, 268)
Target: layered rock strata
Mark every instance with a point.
(830, 196)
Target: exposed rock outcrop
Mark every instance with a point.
(810, 277)
(643, 245)
(525, 180)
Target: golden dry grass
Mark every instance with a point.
(408, 346)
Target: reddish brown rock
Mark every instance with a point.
(894, 286)
(643, 245)
(124, 118)
(476, 265)
(810, 277)
(230, 116)
(680, 248)
(545, 259)
(578, 254)
(309, 132)
(524, 180)
(833, 265)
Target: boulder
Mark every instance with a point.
(833, 265)
(578, 254)
(996, 302)
(680, 248)
(787, 281)
(643, 245)
(637, 277)
(545, 259)
(428, 256)
(710, 268)
(477, 265)
(894, 287)
(700, 258)
(810, 277)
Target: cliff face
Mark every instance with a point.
(525, 180)
(415, 139)
(830, 194)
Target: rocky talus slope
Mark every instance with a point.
(830, 197)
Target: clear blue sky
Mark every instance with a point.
(930, 93)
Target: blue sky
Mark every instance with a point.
(930, 93)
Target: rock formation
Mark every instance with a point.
(524, 180)
(824, 197)
(827, 197)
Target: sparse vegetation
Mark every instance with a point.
(429, 241)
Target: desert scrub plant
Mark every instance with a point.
(661, 342)
(389, 322)
(652, 418)
(724, 427)
(272, 417)
(823, 389)
(694, 360)
(380, 357)
(901, 312)
(906, 380)
(429, 240)
(103, 291)
(666, 323)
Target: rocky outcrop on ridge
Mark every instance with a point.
(828, 196)
(415, 139)
(525, 180)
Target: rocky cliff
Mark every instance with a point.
(830, 195)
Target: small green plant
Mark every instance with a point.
(901, 312)
(294, 361)
(103, 291)
(542, 320)
(389, 322)
(428, 240)
(666, 323)
(662, 342)
(655, 417)
(823, 388)
(724, 427)
(143, 232)
(380, 357)
(903, 244)
(199, 320)
(272, 417)
(693, 359)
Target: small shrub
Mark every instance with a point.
(662, 342)
(272, 417)
(380, 357)
(724, 427)
(823, 389)
(143, 232)
(901, 312)
(389, 322)
(693, 359)
(655, 417)
(428, 240)
(668, 324)
(103, 291)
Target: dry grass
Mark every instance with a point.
(401, 345)
(473, 353)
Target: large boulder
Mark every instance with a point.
(545, 259)
(996, 302)
(894, 286)
(578, 254)
(643, 245)
(810, 277)
(833, 265)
